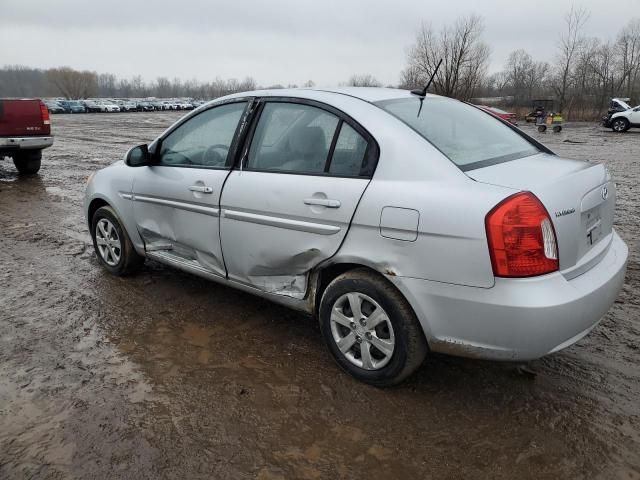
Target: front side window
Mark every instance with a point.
(204, 140)
(469, 137)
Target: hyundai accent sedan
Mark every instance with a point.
(405, 224)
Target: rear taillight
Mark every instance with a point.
(522, 241)
(44, 114)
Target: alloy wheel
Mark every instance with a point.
(108, 242)
(619, 126)
(362, 331)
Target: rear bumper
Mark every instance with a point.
(25, 143)
(516, 319)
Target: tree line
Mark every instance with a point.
(583, 75)
(20, 81)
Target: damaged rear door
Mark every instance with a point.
(290, 203)
(177, 200)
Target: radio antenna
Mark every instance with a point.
(423, 93)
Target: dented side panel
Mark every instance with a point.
(272, 238)
(171, 217)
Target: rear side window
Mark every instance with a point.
(349, 153)
(469, 137)
(301, 138)
(292, 138)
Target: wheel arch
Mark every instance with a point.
(94, 205)
(324, 275)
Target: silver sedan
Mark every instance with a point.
(406, 224)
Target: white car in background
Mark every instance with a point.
(405, 223)
(622, 121)
(110, 106)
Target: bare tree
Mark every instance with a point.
(73, 83)
(364, 80)
(628, 52)
(568, 48)
(464, 57)
(107, 85)
(410, 78)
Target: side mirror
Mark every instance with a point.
(138, 156)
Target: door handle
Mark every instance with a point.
(325, 202)
(201, 189)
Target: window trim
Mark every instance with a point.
(372, 151)
(157, 147)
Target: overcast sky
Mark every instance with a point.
(274, 41)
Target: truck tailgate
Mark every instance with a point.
(20, 118)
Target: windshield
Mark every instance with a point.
(468, 136)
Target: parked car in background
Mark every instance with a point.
(93, 106)
(73, 106)
(406, 224)
(169, 105)
(624, 120)
(129, 106)
(54, 107)
(158, 105)
(507, 116)
(25, 130)
(110, 106)
(145, 107)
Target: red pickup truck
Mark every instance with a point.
(25, 130)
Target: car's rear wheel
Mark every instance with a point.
(370, 329)
(112, 244)
(28, 163)
(620, 125)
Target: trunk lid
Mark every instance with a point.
(20, 118)
(579, 196)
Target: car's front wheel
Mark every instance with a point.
(370, 329)
(620, 125)
(28, 163)
(112, 244)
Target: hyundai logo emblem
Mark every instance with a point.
(605, 192)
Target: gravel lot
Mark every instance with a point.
(165, 375)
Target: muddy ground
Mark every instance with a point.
(165, 375)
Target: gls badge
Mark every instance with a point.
(566, 211)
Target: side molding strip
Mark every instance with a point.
(278, 222)
(191, 207)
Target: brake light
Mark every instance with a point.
(522, 241)
(44, 114)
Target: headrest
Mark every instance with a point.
(308, 140)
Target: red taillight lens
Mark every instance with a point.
(522, 241)
(44, 114)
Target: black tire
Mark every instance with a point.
(129, 261)
(542, 128)
(410, 347)
(620, 125)
(557, 129)
(28, 163)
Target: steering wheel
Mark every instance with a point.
(213, 157)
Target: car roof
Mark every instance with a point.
(367, 94)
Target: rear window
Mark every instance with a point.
(468, 136)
